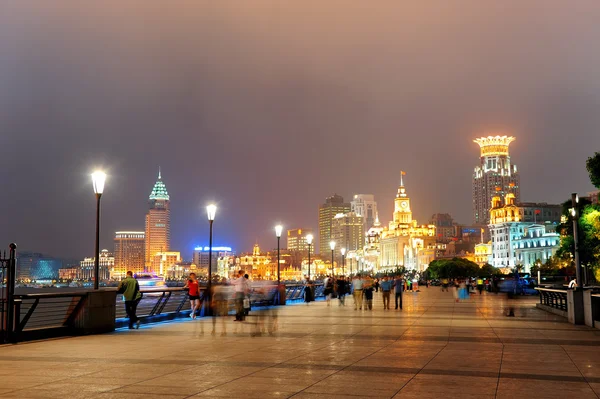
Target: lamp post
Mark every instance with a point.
(211, 211)
(309, 240)
(332, 246)
(575, 214)
(343, 251)
(278, 231)
(98, 180)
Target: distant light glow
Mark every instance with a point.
(309, 239)
(332, 245)
(343, 251)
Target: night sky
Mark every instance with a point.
(267, 107)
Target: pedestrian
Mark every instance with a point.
(240, 290)
(247, 296)
(130, 288)
(341, 290)
(398, 288)
(193, 294)
(444, 284)
(479, 285)
(308, 291)
(386, 288)
(357, 291)
(368, 293)
(376, 285)
(328, 290)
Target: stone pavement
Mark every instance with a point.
(435, 347)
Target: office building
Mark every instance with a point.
(129, 253)
(494, 176)
(296, 240)
(364, 205)
(158, 222)
(347, 230)
(163, 262)
(333, 206)
(222, 261)
(444, 227)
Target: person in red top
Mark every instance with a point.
(193, 293)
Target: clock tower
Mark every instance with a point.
(402, 212)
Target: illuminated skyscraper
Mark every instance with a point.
(296, 240)
(129, 253)
(333, 205)
(364, 205)
(158, 222)
(494, 176)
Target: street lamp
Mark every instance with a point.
(332, 246)
(211, 211)
(309, 241)
(278, 231)
(98, 180)
(343, 251)
(575, 214)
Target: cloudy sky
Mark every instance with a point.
(269, 106)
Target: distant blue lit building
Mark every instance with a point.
(36, 266)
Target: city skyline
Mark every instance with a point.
(269, 110)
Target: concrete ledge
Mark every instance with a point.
(549, 309)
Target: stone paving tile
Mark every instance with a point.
(517, 388)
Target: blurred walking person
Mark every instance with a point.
(479, 285)
(341, 290)
(386, 288)
(368, 293)
(398, 288)
(240, 289)
(357, 291)
(130, 288)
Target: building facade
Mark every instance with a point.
(347, 230)
(404, 242)
(333, 206)
(129, 253)
(494, 176)
(36, 266)
(163, 262)
(518, 243)
(444, 226)
(222, 261)
(364, 205)
(296, 240)
(106, 264)
(158, 222)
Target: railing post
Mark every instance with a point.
(10, 291)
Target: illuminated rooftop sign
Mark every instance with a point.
(494, 145)
(226, 249)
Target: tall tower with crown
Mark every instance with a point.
(402, 212)
(158, 221)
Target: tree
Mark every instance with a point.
(593, 168)
(487, 270)
(452, 268)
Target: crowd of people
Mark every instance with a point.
(361, 288)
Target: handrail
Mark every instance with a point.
(551, 290)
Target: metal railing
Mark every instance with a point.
(46, 315)
(556, 299)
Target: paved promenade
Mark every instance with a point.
(434, 348)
